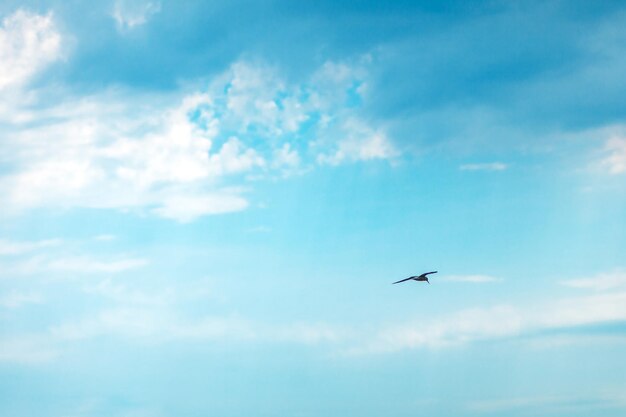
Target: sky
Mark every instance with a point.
(204, 205)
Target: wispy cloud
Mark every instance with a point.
(129, 14)
(615, 161)
(73, 264)
(125, 296)
(601, 282)
(504, 321)
(509, 404)
(156, 318)
(10, 247)
(161, 324)
(490, 166)
(27, 349)
(458, 328)
(158, 325)
(594, 400)
(86, 264)
(15, 299)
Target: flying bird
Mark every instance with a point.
(422, 277)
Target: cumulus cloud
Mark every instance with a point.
(28, 42)
(161, 161)
(259, 102)
(359, 142)
(187, 155)
(286, 157)
(257, 98)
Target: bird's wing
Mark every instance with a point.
(402, 280)
(428, 273)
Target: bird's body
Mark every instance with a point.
(423, 277)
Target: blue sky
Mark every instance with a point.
(204, 205)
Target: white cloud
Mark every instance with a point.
(601, 282)
(188, 159)
(595, 400)
(73, 264)
(9, 247)
(286, 157)
(360, 142)
(499, 321)
(508, 404)
(186, 208)
(174, 151)
(28, 42)
(160, 324)
(153, 318)
(129, 322)
(104, 238)
(490, 166)
(335, 81)
(129, 14)
(460, 327)
(233, 157)
(126, 296)
(16, 299)
(259, 101)
(156, 318)
(476, 279)
(161, 161)
(254, 97)
(536, 405)
(586, 310)
(87, 265)
(615, 162)
(27, 349)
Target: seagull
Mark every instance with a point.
(422, 277)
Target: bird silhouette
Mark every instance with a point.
(422, 277)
